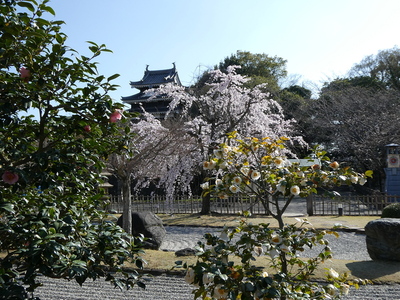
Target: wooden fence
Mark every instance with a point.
(185, 205)
(314, 205)
(352, 205)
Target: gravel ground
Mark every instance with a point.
(165, 287)
(349, 245)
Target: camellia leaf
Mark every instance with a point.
(112, 77)
(369, 173)
(48, 9)
(7, 206)
(26, 5)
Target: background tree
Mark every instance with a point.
(383, 67)
(259, 68)
(294, 101)
(52, 223)
(355, 116)
(354, 123)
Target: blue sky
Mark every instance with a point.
(320, 39)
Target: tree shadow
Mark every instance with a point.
(376, 270)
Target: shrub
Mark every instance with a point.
(218, 272)
(57, 127)
(260, 168)
(391, 211)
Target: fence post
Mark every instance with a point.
(269, 205)
(310, 205)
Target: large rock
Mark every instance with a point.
(148, 224)
(383, 239)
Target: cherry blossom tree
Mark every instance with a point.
(227, 105)
(155, 152)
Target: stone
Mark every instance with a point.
(383, 239)
(148, 224)
(185, 252)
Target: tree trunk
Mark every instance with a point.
(206, 205)
(266, 202)
(127, 206)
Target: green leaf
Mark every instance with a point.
(139, 264)
(59, 38)
(41, 21)
(369, 173)
(79, 263)
(27, 5)
(49, 9)
(93, 43)
(94, 49)
(55, 236)
(112, 77)
(7, 207)
(80, 279)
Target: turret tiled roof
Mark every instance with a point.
(156, 78)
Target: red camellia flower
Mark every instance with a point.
(10, 177)
(25, 74)
(87, 128)
(115, 116)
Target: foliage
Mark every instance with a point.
(260, 67)
(339, 84)
(258, 64)
(294, 101)
(57, 126)
(260, 168)
(391, 211)
(299, 90)
(382, 67)
(226, 264)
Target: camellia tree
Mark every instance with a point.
(259, 168)
(57, 127)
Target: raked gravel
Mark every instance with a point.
(165, 287)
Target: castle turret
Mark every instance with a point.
(152, 79)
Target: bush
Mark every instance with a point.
(58, 125)
(391, 211)
(260, 168)
(226, 267)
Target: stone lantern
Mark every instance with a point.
(105, 185)
(392, 183)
